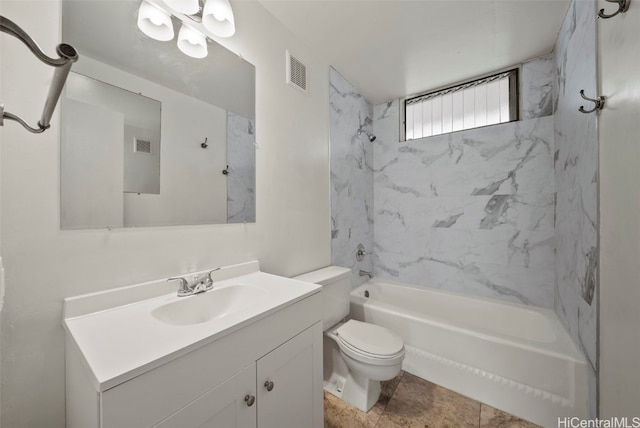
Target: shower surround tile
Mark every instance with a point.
(351, 177)
(470, 211)
(576, 182)
(537, 87)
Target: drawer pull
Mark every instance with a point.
(269, 385)
(250, 399)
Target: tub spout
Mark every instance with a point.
(365, 273)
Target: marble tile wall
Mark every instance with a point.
(241, 180)
(470, 211)
(576, 182)
(351, 177)
(537, 87)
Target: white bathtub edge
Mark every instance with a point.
(537, 406)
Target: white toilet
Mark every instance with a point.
(357, 355)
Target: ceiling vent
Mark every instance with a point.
(296, 73)
(142, 146)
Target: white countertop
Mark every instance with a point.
(121, 342)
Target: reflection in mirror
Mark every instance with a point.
(111, 145)
(241, 172)
(108, 178)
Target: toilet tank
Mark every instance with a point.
(336, 286)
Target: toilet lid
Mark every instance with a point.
(370, 338)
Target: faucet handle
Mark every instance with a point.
(183, 282)
(210, 272)
(184, 286)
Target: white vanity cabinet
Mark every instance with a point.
(223, 406)
(286, 384)
(284, 381)
(264, 372)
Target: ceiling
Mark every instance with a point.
(389, 49)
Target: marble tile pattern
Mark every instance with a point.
(409, 401)
(470, 211)
(537, 87)
(576, 181)
(351, 177)
(241, 158)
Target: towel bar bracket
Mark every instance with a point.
(67, 56)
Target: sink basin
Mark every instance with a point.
(214, 304)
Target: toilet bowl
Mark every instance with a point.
(357, 355)
(371, 354)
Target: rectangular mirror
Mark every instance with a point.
(150, 136)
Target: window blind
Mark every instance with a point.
(481, 102)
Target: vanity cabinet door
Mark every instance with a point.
(231, 404)
(289, 382)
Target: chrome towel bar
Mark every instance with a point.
(67, 56)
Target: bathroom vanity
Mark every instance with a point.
(248, 353)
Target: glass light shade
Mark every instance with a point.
(154, 22)
(192, 42)
(217, 18)
(188, 7)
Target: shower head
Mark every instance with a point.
(371, 137)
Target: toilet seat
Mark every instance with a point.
(369, 343)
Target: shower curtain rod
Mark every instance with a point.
(68, 56)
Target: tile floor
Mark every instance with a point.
(411, 402)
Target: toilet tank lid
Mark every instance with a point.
(325, 275)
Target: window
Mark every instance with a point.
(481, 102)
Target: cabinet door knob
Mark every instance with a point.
(250, 399)
(269, 385)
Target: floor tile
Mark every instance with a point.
(338, 414)
(494, 418)
(408, 401)
(419, 403)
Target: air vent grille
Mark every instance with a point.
(296, 73)
(142, 146)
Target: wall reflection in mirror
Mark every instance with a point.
(151, 137)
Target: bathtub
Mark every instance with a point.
(513, 357)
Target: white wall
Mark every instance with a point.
(619, 133)
(44, 264)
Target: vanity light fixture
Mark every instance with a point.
(215, 16)
(154, 22)
(218, 19)
(192, 42)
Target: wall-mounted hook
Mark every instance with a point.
(599, 103)
(623, 6)
(226, 170)
(204, 144)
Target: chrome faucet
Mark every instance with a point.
(196, 286)
(365, 273)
